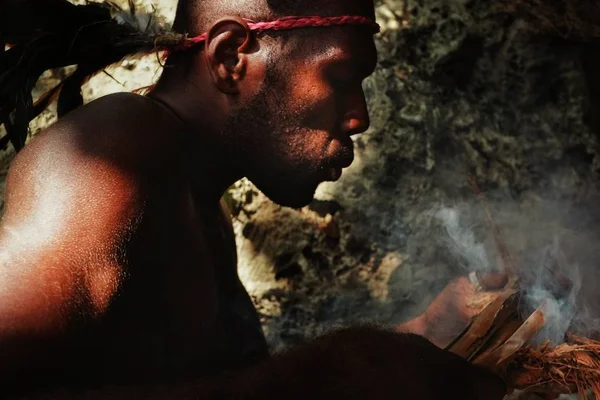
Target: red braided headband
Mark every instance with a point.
(294, 23)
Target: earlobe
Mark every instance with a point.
(226, 45)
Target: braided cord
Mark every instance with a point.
(295, 23)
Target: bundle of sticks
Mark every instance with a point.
(498, 338)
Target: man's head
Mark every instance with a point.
(286, 102)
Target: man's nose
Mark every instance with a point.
(356, 119)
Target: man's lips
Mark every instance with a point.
(346, 162)
(334, 169)
(333, 174)
(343, 162)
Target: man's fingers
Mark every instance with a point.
(492, 280)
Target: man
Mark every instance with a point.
(118, 261)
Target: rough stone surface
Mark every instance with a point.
(463, 89)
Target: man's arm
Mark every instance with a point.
(354, 363)
(67, 216)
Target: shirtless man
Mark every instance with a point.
(118, 261)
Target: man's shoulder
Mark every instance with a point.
(124, 129)
(117, 138)
(124, 124)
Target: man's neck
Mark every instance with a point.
(206, 160)
(210, 169)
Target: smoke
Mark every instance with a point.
(555, 249)
(463, 241)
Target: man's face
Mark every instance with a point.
(296, 132)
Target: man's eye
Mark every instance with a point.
(341, 82)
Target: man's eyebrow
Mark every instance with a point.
(370, 65)
(363, 66)
(370, 60)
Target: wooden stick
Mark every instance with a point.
(487, 356)
(522, 335)
(525, 333)
(483, 327)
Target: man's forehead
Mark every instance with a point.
(352, 13)
(339, 43)
(197, 16)
(350, 50)
(345, 47)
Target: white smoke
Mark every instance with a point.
(463, 240)
(553, 260)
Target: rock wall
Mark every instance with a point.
(463, 89)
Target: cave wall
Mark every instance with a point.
(463, 89)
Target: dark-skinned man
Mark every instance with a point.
(118, 261)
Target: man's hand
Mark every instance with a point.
(452, 310)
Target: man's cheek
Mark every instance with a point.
(320, 115)
(314, 105)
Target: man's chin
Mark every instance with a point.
(292, 201)
(291, 197)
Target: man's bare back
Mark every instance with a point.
(151, 254)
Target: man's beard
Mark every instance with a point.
(256, 136)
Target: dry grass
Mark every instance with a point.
(497, 337)
(572, 367)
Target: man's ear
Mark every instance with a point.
(227, 43)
